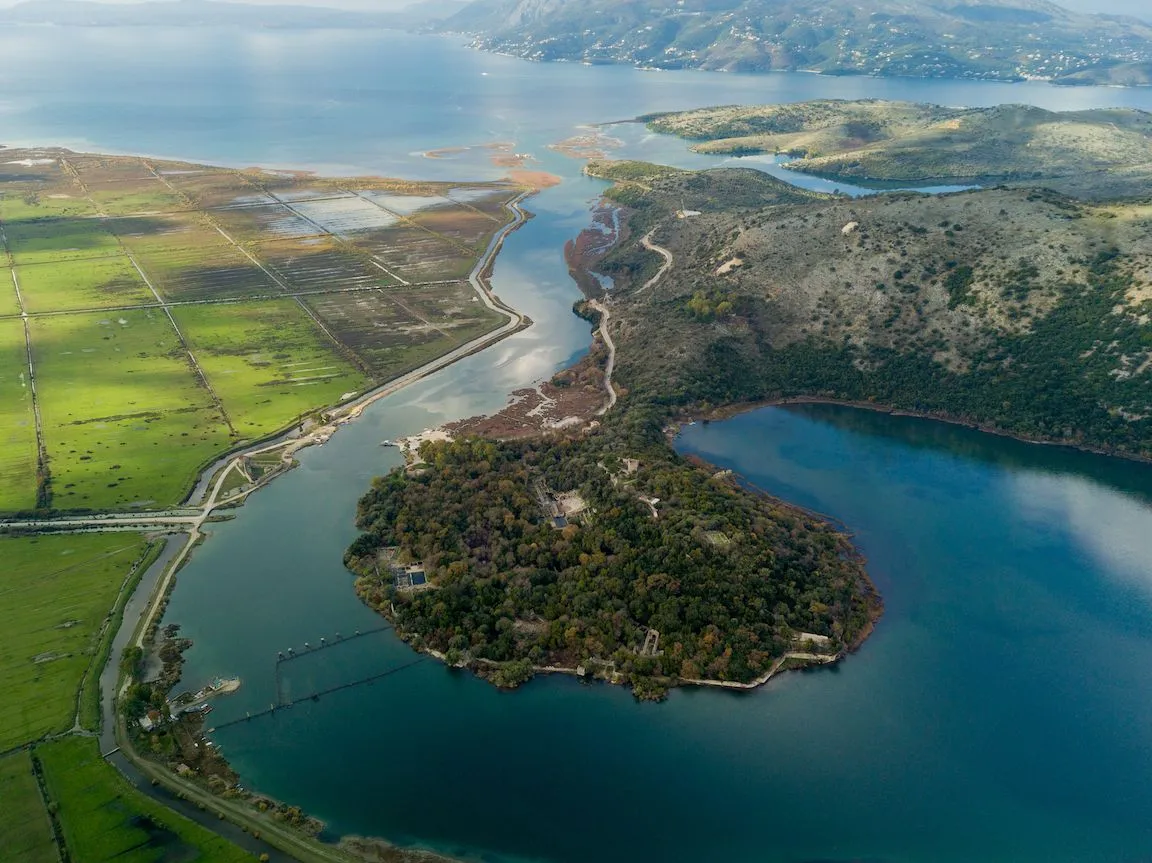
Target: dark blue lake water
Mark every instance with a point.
(1001, 712)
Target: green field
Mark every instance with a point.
(25, 832)
(128, 417)
(17, 422)
(268, 362)
(59, 240)
(9, 305)
(122, 198)
(19, 208)
(104, 819)
(126, 420)
(55, 592)
(82, 284)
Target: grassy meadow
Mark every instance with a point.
(132, 408)
(17, 422)
(52, 240)
(119, 198)
(104, 819)
(126, 420)
(9, 304)
(25, 831)
(268, 362)
(83, 284)
(16, 207)
(55, 592)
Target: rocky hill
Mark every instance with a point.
(1008, 40)
(1098, 152)
(1015, 309)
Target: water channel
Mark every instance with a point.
(1000, 713)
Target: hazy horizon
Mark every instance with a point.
(1136, 8)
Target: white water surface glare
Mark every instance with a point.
(1001, 712)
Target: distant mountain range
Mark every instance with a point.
(194, 13)
(1011, 40)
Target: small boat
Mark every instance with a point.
(388, 443)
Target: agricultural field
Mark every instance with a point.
(417, 254)
(182, 274)
(248, 223)
(125, 197)
(55, 594)
(463, 225)
(110, 250)
(267, 362)
(104, 819)
(127, 422)
(83, 284)
(320, 264)
(399, 329)
(20, 208)
(207, 188)
(18, 456)
(25, 831)
(9, 304)
(53, 240)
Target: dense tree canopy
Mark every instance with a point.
(726, 577)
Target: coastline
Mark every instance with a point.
(478, 42)
(812, 660)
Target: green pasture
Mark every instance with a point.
(9, 305)
(82, 284)
(127, 421)
(104, 819)
(268, 362)
(169, 232)
(17, 422)
(25, 831)
(59, 240)
(23, 207)
(55, 592)
(125, 198)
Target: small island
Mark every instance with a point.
(604, 554)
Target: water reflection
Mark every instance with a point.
(926, 435)
(1113, 527)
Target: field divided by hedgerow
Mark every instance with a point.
(268, 362)
(291, 292)
(104, 819)
(67, 239)
(127, 421)
(17, 422)
(9, 305)
(25, 831)
(91, 283)
(55, 592)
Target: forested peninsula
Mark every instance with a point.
(604, 554)
(591, 546)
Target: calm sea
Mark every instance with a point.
(1002, 711)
